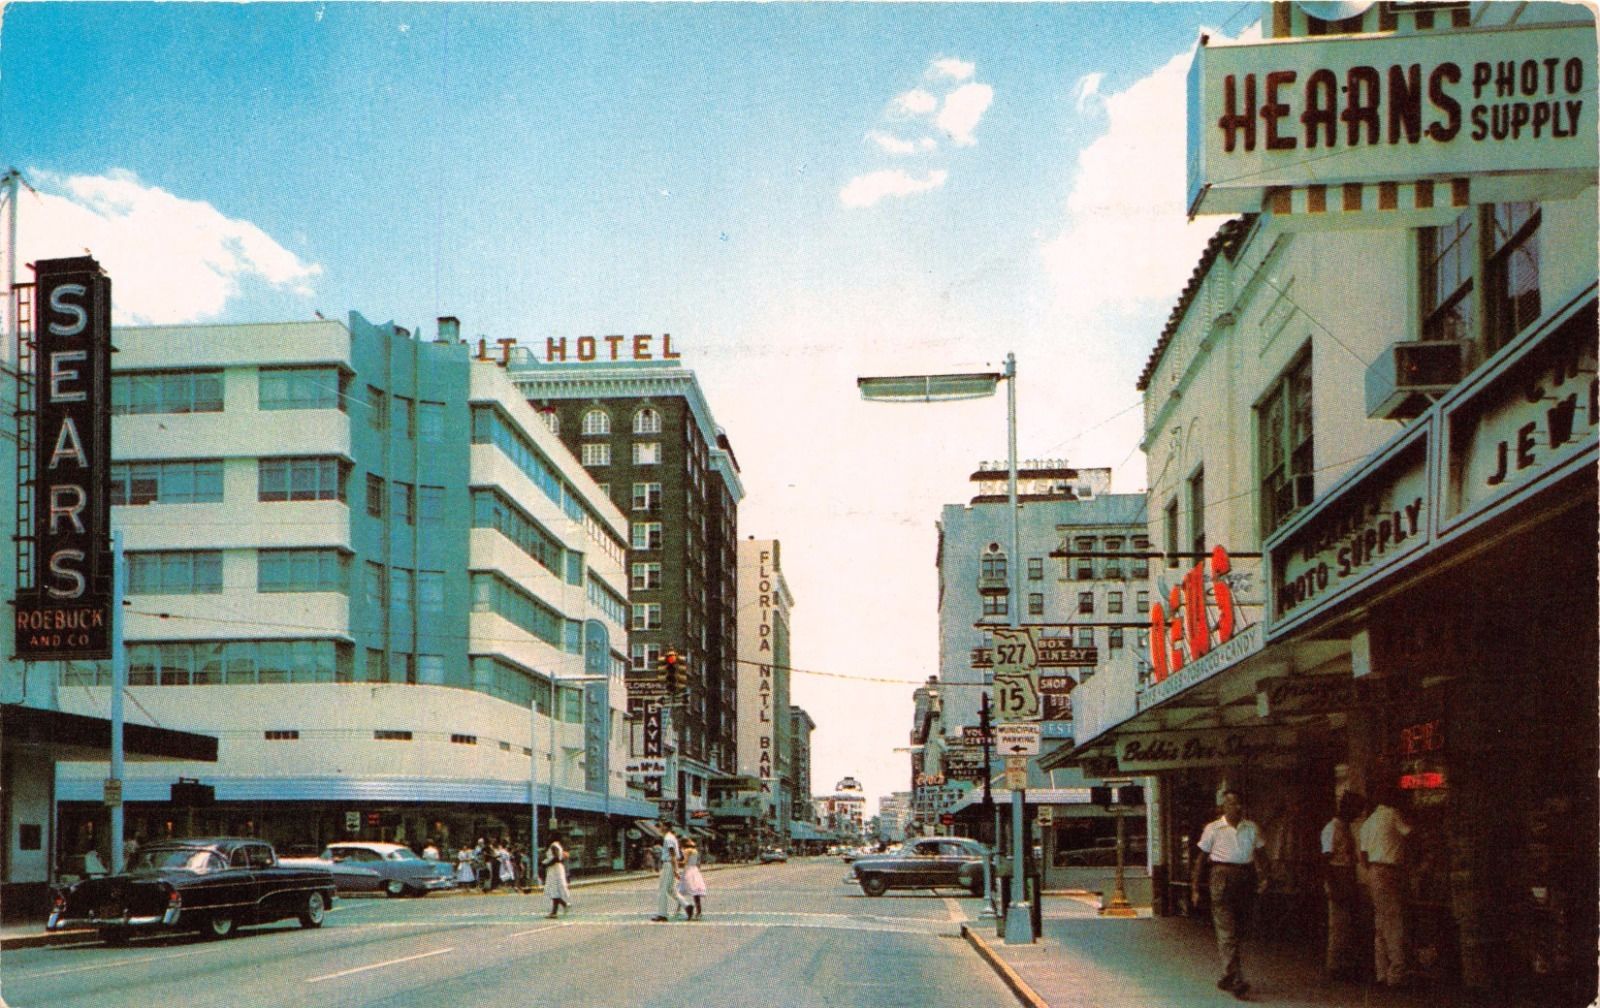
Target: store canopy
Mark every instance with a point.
(78, 737)
(648, 828)
(806, 831)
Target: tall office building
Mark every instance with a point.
(763, 681)
(639, 424)
(360, 561)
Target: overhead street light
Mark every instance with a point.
(946, 388)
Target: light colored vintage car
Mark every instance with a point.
(369, 866)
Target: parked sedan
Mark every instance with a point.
(366, 866)
(209, 884)
(923, 863)
(772, 854)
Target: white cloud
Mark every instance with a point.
(914, 103)
(891, 144)
(1086, 94)
(866, 190)
(962, 110)
(171, 260)
(955, 69)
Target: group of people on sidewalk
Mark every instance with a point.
(1356, 843)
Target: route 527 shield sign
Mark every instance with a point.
(1016, 675)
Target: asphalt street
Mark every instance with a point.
(772, 935)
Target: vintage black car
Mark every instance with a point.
(209, 884)
(923, 863)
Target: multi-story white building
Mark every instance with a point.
(360, 561)
(763, 680)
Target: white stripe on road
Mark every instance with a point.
(536, 930)
(110, 965)
(380, 965)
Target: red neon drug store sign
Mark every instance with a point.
(1182, 631)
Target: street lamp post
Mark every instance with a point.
(944, 388)
(533, 756)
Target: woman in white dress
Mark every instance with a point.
(693, 885)
(465, 874)
(555, 876)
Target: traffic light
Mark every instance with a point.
(672, 671)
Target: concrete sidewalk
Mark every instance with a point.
(1083, 960)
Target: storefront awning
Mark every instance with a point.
(77, 737)
(805, 831)
(648, 828)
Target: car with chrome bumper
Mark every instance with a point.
(213, 885)
(923, 863)
(360, 866)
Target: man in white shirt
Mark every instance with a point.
(1382, 844)
(667, 879)
(1229, 850)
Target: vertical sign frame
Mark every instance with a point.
(65, 613)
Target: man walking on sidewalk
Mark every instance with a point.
(1230, 846)
(1382, 843)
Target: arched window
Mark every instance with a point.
(647, 421)
(596, 421)
(552, 420)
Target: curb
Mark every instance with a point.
(1025, 994)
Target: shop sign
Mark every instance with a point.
(975, 736)
(1178, 750)
(1302, 694)
(1332, 112)
(1240, 646)
(1378, 519)
(1055, 697)
(1534, 419)
(646, 767)
(1061, 729)
(1201, 613)
(1049, 652)
(67, 613)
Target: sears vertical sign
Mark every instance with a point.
(67, 612)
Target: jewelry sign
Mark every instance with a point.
(67, 612)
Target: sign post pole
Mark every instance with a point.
(119, 682)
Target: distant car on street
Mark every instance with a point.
(923, 863)
(772, 854)
(208, 884)
(367, 866)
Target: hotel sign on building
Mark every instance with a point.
(67, 613)
(1414, 123)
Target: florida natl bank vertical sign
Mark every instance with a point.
(65, 613)
(1319, 118)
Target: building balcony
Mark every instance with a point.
(993, 585)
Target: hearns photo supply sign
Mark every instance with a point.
(67, 612)
(1456, 105)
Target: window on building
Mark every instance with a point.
(375, 491)
(300, 479)
(1197, 514)
(430, 504)
(301, 388)
(376, 668)
(995, 605)
(402, 668)
(209, 663)
(647, 453)
(992, 566)
(1114, 564)
(596, 421)
(492, 509)
(596, 454)
(402, 502)
(142, 392)
(302, 570)
(552, 419)
(377, 408)
(646, 535)
(647, 421)
(1284, 425)
(1036, 568)
(375, 586)
(1086, 603)
(405, 416)
(1141, 565)
(1083, 561)
(646, 616)
(430, 669)
(1449, 260)
(1143, 639)
(1142, 601)
(1169, 532)
(647, 496)
(175, 572)
(430, 592)
(1035, 604)
(135, 483)
(1114, 638)
(644, 656)
(430, 421)
(1114, 602)
(646, 576)
(1511, 275)
(1083, 637)
(401, 582)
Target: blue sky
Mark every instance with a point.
(798, 193)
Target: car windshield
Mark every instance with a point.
(193, 859)
(402, 854)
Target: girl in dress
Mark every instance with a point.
(693, 885)
(555, 876)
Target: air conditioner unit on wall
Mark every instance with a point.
(1406, 377)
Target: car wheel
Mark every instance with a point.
(114, 936)
(220, 926)
(873, 885)
(311, 916)
(394, 887)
